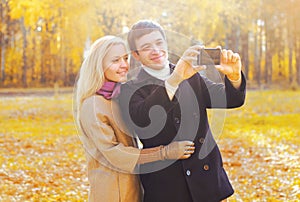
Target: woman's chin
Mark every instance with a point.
(123, 79)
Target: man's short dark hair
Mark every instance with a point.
(140, 29)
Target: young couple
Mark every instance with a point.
(165, 108)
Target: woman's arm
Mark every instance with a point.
(174, 150)
(100, 138)
(99, 130)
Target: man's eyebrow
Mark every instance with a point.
(146, 44)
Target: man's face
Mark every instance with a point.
(152, 50)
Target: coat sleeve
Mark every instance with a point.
(218, 95)
(102, 142)
(145, 107)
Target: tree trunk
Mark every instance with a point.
(24, 67)
(257, 59)
(3, 50)
(297, 49)
(42, 76)
(280, 53)
(3, 44)
(260, 52)
(268, 54)
(237, 38)
(62, 71)
(290, 76)
(46, 73)
(290, 48)
(245, 53)
(33, 61)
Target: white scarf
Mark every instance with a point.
(161, 74)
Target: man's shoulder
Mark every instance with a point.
(141, 76)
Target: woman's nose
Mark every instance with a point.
(123, 62)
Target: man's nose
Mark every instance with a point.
(155, 49)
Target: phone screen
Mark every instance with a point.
(209, 56)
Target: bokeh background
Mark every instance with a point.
(42, 45)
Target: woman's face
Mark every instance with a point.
(115, 64)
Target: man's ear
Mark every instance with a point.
(136, 55)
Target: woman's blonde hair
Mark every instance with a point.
(91, 74)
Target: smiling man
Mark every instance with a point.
(167, 103)
(151, 51)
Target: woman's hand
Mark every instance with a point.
(179, 150)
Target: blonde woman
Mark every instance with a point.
(111, 155)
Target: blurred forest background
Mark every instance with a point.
(43, 42)
(42, 45)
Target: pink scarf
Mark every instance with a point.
(109, 90)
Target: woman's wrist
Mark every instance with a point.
(163, 154)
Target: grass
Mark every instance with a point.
(260, 145)
(42, 158)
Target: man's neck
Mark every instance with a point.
(161, 74)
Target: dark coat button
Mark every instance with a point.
(177, 120)
(206, 167)
(201, 140)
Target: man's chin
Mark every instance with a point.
(157, 66)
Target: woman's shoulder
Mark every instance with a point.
(96, 104)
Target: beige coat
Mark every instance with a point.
(110, 153)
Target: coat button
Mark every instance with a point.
(188, 172)
(176, 120)
(206, 167)
(201, 140)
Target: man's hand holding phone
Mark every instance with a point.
(230, 65)
(224, 60)
(209, 56)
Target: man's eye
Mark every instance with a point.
(160, 43)
(146, 48)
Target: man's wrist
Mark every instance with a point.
(235, 81)
(171, 90)
(174, 80)
(235, 77)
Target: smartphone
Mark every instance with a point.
(209, 56)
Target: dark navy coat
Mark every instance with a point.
(156, 120)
